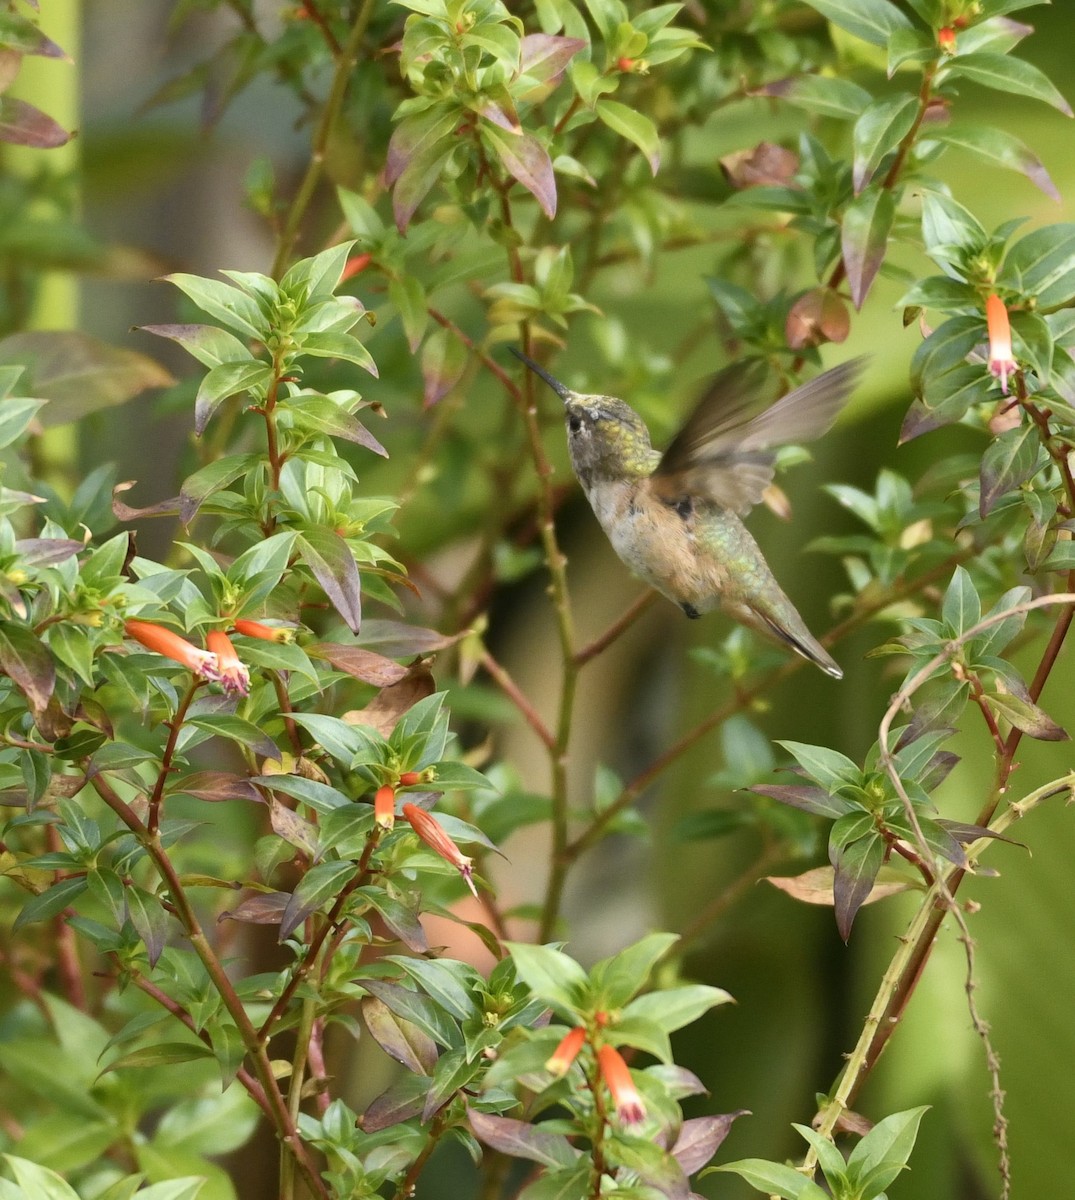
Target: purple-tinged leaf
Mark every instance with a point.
(78, 374)
(226, 380)
(264, 909)
(287, 824)
(26, 661)
(806, 797)
(21, 35)
(333, 565)
(409, 299)
(997, 146)
(701, 1137)
(360, 663)
(23, 125)
(1026, 716)
(399, 640)
(217, 720)
(939, 767)
(498, 107)
(940, 708)
(414, 137)
(527, 161)
(208, 344)
(544, 57)
(398, 1038)
(966, 834)
(215, 787)
(40, 552)
(856, 866)
(444, 359)
(520, 1139)
(864, 239)
(385, 709)
(124, 512)
(416, 1008)
(403, 1100)
(312, 411)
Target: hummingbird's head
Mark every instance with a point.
(606, 437)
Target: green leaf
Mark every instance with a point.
(319, 885)
(51, 901)
(16, 414)
(228, 379)
(961, 608)
(399, 1038)
(551, 975)
(879, 131)
(1042, 265)
(324, 415)
(1003, 73)
(864, 238)
(409, 298)
(875, 21)
(673, 1008)
(527, 161)
(825, 95)
(236, 729)
(149, 919)
(416, 1008)
(160, 1054)
(889, 1142)
(775, 1179)
(1008, 462)
(830, 768)
(622, 976)
(444, 359)
(333, 566)
(449, 982)
(227, 304)
(634, 126)
(417, 179)
(38, 1183)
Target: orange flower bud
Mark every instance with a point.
(355, 265)
(946, 39)
(164, 641)
(567, 1051)
(384, 806)
(431, 832)
(410, 778)
(267, 633)
(232, 673)
(617, 1077)
(1001, 360)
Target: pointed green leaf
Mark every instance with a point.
(1003, 73)
(333, 565)
(634, 126)
(527, 161)
(319, 885)
(874, 21)
(864, 239)
(879, 131)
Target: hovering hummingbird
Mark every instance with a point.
(674, 518)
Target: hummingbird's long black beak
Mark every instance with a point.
(564, 392)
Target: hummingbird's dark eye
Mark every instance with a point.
(574, 423)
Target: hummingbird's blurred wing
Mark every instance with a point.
(725, 455)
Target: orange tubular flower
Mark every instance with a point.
(617, 1076)
(430, 831)
(1001, 360)
(567, 1051)
(163, 641)
(267, 633)
(384, 806)
(232, 674)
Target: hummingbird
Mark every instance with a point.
(674, 518)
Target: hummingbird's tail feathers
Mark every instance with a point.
(726, 456)
(802, 642)
(564, 392)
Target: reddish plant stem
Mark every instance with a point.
(175, 727)
(513, 692)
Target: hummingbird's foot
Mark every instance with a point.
(690, 610)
